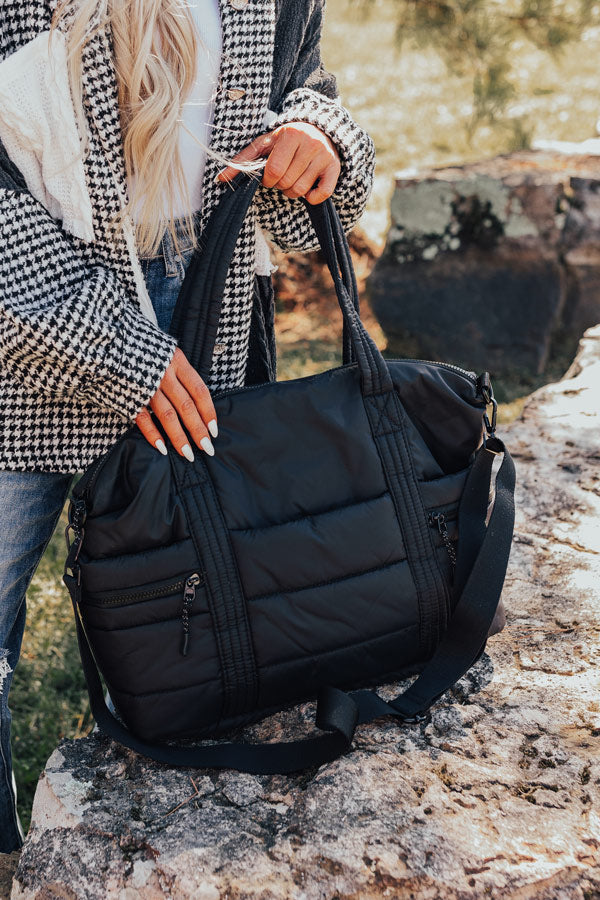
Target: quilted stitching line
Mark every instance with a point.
(388, 419)
(341, 648)
(313, 515)
(331, 581)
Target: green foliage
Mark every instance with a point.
(476, 38)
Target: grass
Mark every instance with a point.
(417, 115)
(48, 698)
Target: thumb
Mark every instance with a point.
(260, 146)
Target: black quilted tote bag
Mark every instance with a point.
(350, 530)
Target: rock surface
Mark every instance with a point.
(497, 796)
(491, 264)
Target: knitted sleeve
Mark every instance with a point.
(311, 96)
(65, 327)
(39, 132)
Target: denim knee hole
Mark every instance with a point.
(5, 669)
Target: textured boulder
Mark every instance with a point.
(497, 796)
(489, 264)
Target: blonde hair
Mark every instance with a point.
(155, 53)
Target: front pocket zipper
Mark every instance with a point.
(136, 595)
(188, 598)
(441, 523)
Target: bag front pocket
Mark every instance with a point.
(131, 573)
(154, 638)
(170, 600)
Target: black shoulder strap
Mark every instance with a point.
(338, 713)
(11, 178)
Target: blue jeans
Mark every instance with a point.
(30, 507)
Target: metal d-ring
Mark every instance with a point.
(417, 718)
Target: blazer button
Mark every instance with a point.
(219, 348)
(238, 4)
(235, 93)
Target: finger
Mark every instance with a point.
(197, 389)
(169, 420)
(260, 146)
(187, 414)
(297, 170)
(306, 180)
(146, 425)
(280, 159)
(308, 149)
(326, 185)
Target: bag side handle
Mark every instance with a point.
(338, 712)
(197, 310)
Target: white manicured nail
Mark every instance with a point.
(212, 427)
(188, 452)
(160, 446)
(206, 445)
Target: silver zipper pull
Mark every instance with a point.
(189, 593)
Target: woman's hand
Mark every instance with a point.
(298, 155)
(182, 394)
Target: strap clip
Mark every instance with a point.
(491, 426)
(417, 718)
(77, 517)
(485, 390)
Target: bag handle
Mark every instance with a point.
(197, 311)
(338, 713)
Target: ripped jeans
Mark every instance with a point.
(30, 508)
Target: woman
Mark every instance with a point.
(106, 181)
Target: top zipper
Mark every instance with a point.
(470, 376)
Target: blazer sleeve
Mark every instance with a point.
(67, 328)
(311, 96)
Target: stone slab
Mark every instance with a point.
(481, 311)
(504, 249)
(498, 796)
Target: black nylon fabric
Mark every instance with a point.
(338, 713)
(306, 555)
(292, 528)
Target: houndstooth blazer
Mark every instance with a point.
(79, 360)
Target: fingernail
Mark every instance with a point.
(218, 178)
(212, 427)
(187, 452)
(206, 445)
(160, 446)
